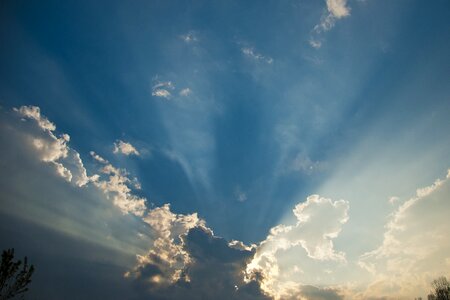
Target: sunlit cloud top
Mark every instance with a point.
(226, 150)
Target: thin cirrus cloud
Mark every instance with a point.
(256, 56)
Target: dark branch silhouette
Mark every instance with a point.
(14, 278)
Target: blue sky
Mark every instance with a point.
(236, 113)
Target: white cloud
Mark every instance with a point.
(315, 43)
(189, 37)
(336, 9)
(392, 200)
(162, 88)
(117, 186)
(319, 221)
(98, 158)
(69, 165)
(167, 253)
(415, 248)
(240, 194)
(125, 148)
(34, 112)
(161, 93)
(185, 92)
(251, 53)
(304, 164)
(53, 149)
(63, 172)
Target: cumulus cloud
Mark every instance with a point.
(184, 257)
(197, 265)
(115, 184)
(48, 147)
(34, 112)
(336, 9)
(166, 261)
(319, 221)
(415, 248)
(125, 148)
(53, 149)
(251, 53)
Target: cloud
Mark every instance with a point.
(185, 92)
(336, 9)
(314, 293)
(161, 93)
(315, 43)
(51, 148)
(208, 267)
(240, 194)
(415, 248)
(303, 164)
(166, 261)
(34, 112)
(189, 37)
(162, 88)
(98, 158)
(115, 184)
(33, 192)
(184, 257)
(125, 148)
(318, 222)
(251, 53)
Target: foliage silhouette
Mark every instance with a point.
(441, 289)
(14, 278)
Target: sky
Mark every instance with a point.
(279, 149)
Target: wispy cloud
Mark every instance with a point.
(189, 37)
(162, 88)
(240, 194)
(253, 54)
(336, 9)
(185, 92)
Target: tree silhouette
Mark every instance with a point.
(14, 278)
(441, 288)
